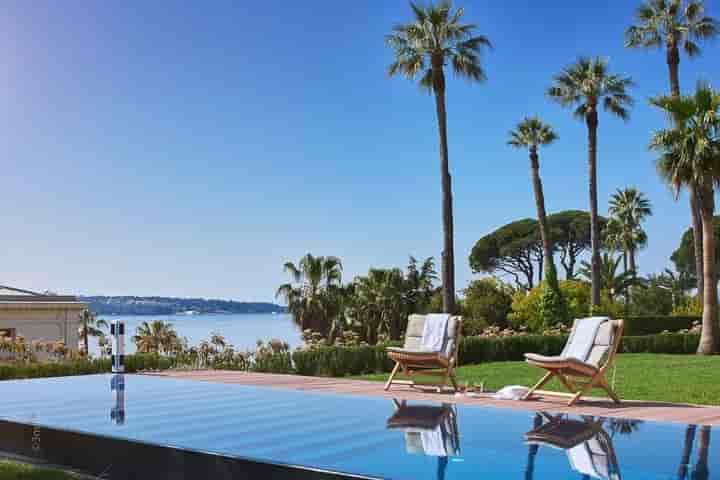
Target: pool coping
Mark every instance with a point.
(635, 409)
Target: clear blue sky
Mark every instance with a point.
(174, 149)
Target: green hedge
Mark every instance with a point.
(651, 324)
(343, 361)
(673, 343)
(506, 349)
(133, 363)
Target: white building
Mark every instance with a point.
(37, 316)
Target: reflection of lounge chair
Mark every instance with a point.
(581, 366)
(412, 357)
(589, 448)
(429, 430)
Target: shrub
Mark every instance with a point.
(341, 361)
(133, 363)
(651, 324)
(526, 307)
(692, 307)
(272, 357)
(501, 349)
(674, 343)
(487, 300)
(474, 326)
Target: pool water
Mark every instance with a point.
(360, 435)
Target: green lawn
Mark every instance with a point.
(669, 378)
(19, 471)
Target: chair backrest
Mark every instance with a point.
(414, 333)
(605, 343)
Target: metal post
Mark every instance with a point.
(117, 331)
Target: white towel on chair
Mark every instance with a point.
(583, 338)
(434, 330)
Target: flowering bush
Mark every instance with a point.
(19, 350)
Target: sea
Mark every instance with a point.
(240, 330)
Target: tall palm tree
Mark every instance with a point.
(310, 294)
(90, 326)
(629, 207)
(617, 237)
(588, 84)
(423, 47)
(155, 337)
(672, 25)
(531, 133)
(690, 155)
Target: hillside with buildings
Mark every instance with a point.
(133, 305)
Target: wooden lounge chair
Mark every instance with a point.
(588, 447)
(580, 375)
(412, 358)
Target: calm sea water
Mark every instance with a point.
(241, 330)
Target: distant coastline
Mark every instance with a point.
(132, 305)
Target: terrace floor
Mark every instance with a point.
(641, 410)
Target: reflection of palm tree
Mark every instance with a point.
(701, 471)
(687, 451)
(623, 426)
(532, 450)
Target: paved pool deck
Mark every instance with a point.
(641, 410)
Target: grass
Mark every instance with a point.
(20, 471)
(667, 378)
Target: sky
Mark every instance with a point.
(191, 148)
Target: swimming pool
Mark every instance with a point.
(152, 427)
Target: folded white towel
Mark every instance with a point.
(582, 338)
(512, 392)
(434, 331)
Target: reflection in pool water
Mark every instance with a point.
(587, 441)
(117, 387)
(588, 446)
(429, 430)
(355, 434)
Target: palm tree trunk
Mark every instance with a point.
(708, 335)
(625, 260)
(697, 240)
(632, 267)
(673, 62)
(541, 263)
(591, 120)
(85, 338)
(549, 264)
(532, 451)
(687, 451)
(701, 472)
(448, 254)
